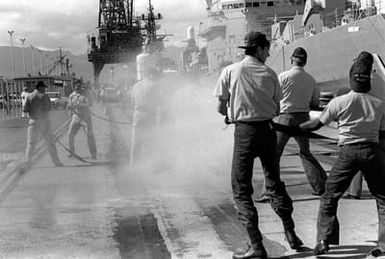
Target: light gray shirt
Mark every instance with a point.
(360, 117)
(252, 90)
(299, 90)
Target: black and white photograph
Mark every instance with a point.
(191, 129)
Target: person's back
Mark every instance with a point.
(248, 95)
(254, 91)
(299, 94)
(37, 105)
(359, 117)
(298, 90)
(361, 126)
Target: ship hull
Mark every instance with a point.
(331, 53)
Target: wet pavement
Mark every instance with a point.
(174, 202)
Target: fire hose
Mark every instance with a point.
(292, 131)
(109, 120)
(71, 152)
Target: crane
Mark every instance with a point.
(60, 62)
(120, 35)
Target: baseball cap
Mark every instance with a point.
(365, 56)
(360, 72)
(299, 53)
(254, 39)
(40, 84)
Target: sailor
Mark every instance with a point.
(79, 105)
(145, 96)
(361, 126)
(300, 94)
(38, 106)
(23, 96)
(145, 61)
(248, 94)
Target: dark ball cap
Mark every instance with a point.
(359, 74)
(366, 57)
(255, 39)
(300, 53)
(40, 84)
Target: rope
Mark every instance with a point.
(70, 152)
(292, 131)
(109, 120)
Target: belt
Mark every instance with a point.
(366, 143)
(294, 113)
(255, 123)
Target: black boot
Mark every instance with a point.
(293, 240)
(374, 253)
(321, 248)
(254, 252)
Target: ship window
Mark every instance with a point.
(270, 3)
(230, 6)
(241, 5)
(249, 4)
(236, 6)
(224, 7)
(255, 4)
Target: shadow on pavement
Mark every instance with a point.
(291, 172)
(340, 252)
(90, 164)
(306, 199)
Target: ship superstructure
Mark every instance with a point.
(229, 20)
(333, 37)
(332, 31)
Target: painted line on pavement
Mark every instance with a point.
(186, 231)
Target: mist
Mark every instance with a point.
(188, 149)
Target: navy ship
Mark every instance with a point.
(332, 31)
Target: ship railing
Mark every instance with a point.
(10, 99)
(336, 17)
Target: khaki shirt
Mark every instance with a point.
(79, 104)
(252, 90)
(299, 90)
(360, 117)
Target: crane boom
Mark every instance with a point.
(119, 36)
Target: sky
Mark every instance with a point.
(50, 24)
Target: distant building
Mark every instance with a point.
(62, 84)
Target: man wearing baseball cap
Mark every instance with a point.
(79, 106)
(300, 94)
(248, 95)
(38, 106)
(23, 96)
(361, 126)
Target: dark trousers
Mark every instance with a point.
(368, 158)
(253, 140)
(313, 170)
